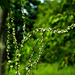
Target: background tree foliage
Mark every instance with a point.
(50, 13)
(58, 14)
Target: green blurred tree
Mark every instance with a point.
(58, 14)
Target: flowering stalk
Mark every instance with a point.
(16, 45)
(23, 17)
(54, 30)
(32, 63)
(8, 42)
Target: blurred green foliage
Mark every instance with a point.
(47, 69)
(52, 69)
(51, 13)
(58, 14)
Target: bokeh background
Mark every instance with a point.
(58, 55)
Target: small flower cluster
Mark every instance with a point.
(32, 63)
(40, 53)
(54, 30)
(48, 30)
(23, 17)
(16, 45)
(8, 42)
(13, 31)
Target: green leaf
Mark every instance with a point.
(70, 18)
